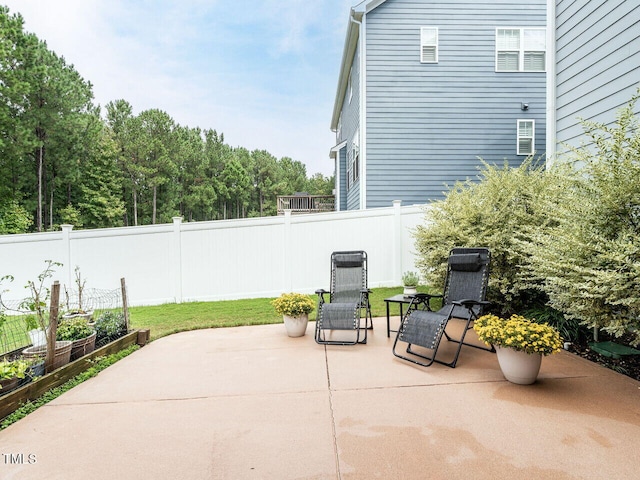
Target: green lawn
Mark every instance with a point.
(171, 318)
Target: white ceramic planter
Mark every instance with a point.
(296, 326)
(519, 367)
(38, 337)
(410, 291)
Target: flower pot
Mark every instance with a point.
(38, 337)
(62, 353)
(79, 348)
(9, 384)
(519, 367)
(408, 291)
(87, 315)
(296, 326)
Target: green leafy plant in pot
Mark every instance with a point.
(11, 372)
(78, 331)
(410, 281)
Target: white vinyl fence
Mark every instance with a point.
(219, 260)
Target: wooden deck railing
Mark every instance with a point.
(306, 203)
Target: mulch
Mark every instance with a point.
(628, 365)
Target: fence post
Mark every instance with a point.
(53, 327)
(66, 260)
(176, 261)
(397, 241)
(125, 303)
(287, 260)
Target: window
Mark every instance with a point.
(429, 45)
(521, 49)
(526, 137)
(353, 161)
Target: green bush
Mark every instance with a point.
(589, 262)
(110, 325)
(505, 207)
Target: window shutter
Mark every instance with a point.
(508, 61)
(534, 61)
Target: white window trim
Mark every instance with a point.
(532, 137)
(353, 161)
(423, 44)
(521, 50)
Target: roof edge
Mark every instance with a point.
(348, 52)
(350, 44)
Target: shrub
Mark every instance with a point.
(110, 325)
(589, 262)
(506, 206)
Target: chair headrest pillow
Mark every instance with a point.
(349, 260)
(465, 262)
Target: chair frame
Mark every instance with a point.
(363, 304)
(423, 301)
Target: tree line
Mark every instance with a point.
(64, 160)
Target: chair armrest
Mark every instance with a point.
(424, 298)
(320, 292)
(468, 303)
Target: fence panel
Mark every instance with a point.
(227, 259)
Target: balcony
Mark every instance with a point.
(303, 203)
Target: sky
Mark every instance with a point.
(262, 72)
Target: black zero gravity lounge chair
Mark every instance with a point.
(463, 298)
(348, 297)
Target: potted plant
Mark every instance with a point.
(520, 344)
(36, 306)
(80, 333)
(12, 372)
(410, 280)
(295, 309)
(79, 311)
(37, 335)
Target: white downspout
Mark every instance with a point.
(551, 83)
(362, 110)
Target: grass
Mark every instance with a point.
(172, 318)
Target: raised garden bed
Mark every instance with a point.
(32, 390)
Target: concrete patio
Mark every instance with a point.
(250, 402)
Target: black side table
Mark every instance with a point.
(399, 299)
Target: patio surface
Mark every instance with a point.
(252, 403)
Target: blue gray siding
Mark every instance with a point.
(350, 124)
(597, 62)
(427, 124)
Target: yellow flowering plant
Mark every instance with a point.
(518, 333)
(293, 304)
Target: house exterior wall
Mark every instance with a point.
(427, 123)
(348, 131)
(597, 63)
